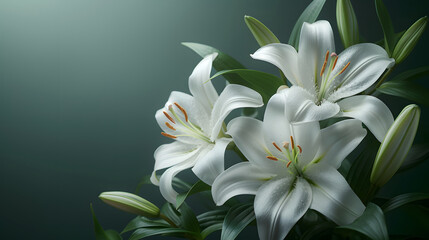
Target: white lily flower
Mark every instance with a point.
(291, 168)
(197, 124)
(324, 83)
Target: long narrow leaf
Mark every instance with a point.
(143, 222)
(260, 32)
(417, 154)
(236, 220)
(147, 232)
(405, 89)
(188, 219)
(386, 25)
(412, 74)
(403, 199)
(309, 15)
(370, 224)
(199, 186)
(264, 83)
(100, 233)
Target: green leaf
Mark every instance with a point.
(222, 61)
(386, 25)
(143, 222)
(264, 83)
(177, 183)
(212, 217)
(403, 199)
(188, 219)
(199, 186)
(417, 154)
(410, 38)
(370, 224)
(411, 75)
(260, 32)
(210, 229)
(405, 89)
(237, 218)
(347, 23)
(100, 233)
(170, 211)
(309, 15)
(318, 231)
(359, 174)
(147, 232)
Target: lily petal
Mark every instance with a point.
(332, 195)
(232, 97)
(194, 111)
(279, 204)
(251, 143)
(208, 167)
(338, 141)
(371, 111)
(300, 106)
(166, 180)
(174, 153)
(200, 85)
(367, 62)
(315, 40)
(236, 181)
(282, 56)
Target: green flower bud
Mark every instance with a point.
(395, 145)
(131, 203)
(347, 23)
(409, 40)
(262, 34)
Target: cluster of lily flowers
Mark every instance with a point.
(290, 162)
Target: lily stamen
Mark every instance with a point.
(335, 61)
(345, 67)
(276, 146)
(292, 142)
(300, 149)
(324, 63)
(272, 158)
(182, 110)
(168, 135)
(169, 117)
(169, 126)
(287, 165)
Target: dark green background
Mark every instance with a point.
(80, 82)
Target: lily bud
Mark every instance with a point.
(409, 39)
(131, 203)
(347, 23)
(395, 145)
(262, 34)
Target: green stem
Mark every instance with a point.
(381, 80)
(168, 220)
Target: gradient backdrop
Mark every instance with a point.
(80, 82)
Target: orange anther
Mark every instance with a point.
(272, 158)
(324, 63)
(300, 149)
(345, 67)
(169, 117)
(168, 135)
(182, 110)
(275, 145)
(292, 142)
(169, 126)
(287, 165)
(335, 63)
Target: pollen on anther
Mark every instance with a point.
(300, 149)
(182, 110)
(169, 117)
(272, 158)
(168, 135)
(335, 63)
(345, 67)
(287, 165)
(324, 63)
(169, 126)
(292, 142)
(276, 146)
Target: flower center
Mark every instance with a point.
(183, 128)
(325, 74)
(289, 154)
